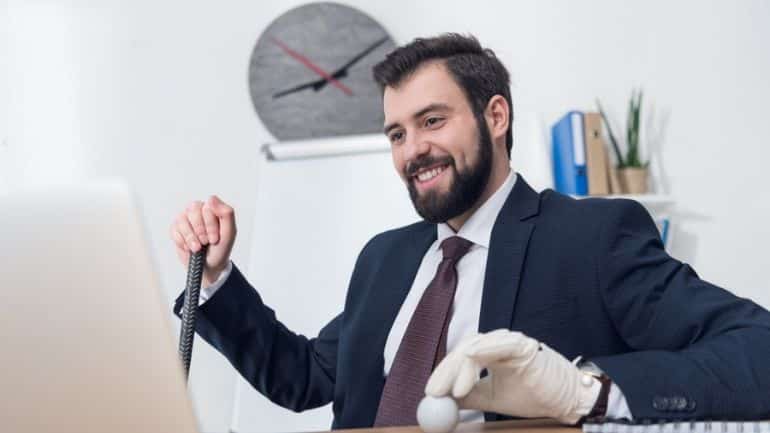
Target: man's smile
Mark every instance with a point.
(428, 177)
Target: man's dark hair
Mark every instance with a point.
(476, 70)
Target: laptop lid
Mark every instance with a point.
(85, 334)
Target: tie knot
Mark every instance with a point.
(455, 247)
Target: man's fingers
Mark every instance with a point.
(479, 397)
(185, 229)
(469, 344)
(183, 253)
(226, 216)
(195, 216)
(177, 238)
(467, 376)
(220, 208)
(212, 224)
(511, 347)
(443, 377)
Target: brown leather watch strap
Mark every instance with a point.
(599, 410)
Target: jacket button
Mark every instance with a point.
(679, 403)
(660, 403)
(691, 405)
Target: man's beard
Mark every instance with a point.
(466, 186)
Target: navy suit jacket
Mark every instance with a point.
(587, 277)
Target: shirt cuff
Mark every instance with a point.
(617, 406)
(207, 292)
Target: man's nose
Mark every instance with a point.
(415, 147)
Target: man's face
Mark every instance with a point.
(440, 150)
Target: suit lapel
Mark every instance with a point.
(390, 286)
(507, 250)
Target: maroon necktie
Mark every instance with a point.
(424, 342)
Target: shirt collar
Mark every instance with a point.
(478, 228)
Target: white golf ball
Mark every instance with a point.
(437, 414)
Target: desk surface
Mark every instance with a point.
(517, 426)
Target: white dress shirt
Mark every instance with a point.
(471, 269)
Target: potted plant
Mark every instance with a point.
(632, 173)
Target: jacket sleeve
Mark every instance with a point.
(698, 350)
(291, 370)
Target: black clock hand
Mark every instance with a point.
(316, 85)
(339, 73)
(354, 60)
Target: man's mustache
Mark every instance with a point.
(413, 167)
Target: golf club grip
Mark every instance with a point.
(192, 292)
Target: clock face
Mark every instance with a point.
(310, 73)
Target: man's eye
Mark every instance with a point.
(396, 136)
(432, 121)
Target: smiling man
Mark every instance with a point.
(495, 291)
(444, 158)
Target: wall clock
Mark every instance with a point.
(310, 73)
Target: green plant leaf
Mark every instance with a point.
(633, 127)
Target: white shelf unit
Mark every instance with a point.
(655, 200)
(658, 205)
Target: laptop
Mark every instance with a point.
(86, 341)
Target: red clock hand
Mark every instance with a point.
(313, 67)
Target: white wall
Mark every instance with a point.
(157, 92)
(4, 158)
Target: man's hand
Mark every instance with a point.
(211, 223)
(526, 378)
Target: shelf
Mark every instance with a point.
(645, 199)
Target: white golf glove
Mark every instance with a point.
(526, 378)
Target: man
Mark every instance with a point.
(492, 294)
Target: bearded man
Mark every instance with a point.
(495, 291)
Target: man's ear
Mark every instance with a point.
(497, 115)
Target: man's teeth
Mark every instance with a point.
(430, 174)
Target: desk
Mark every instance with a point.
(549, 426)
(515, 426)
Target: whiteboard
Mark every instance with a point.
(314, 215)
